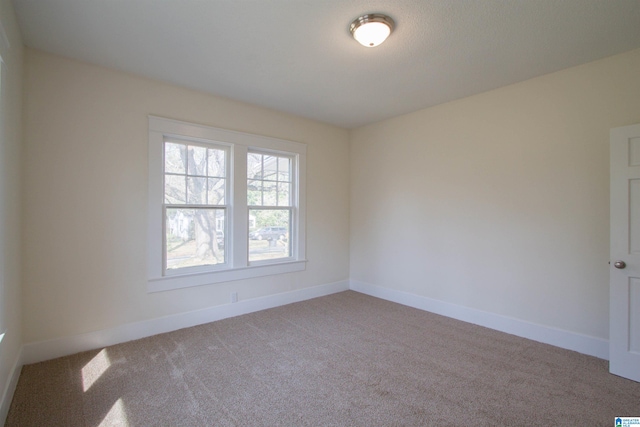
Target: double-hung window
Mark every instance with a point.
(223, 205)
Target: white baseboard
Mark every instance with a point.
(58, 347)
(585, 344)
(10, 388)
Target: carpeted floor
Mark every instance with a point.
(342, 360)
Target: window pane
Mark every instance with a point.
(269, 193)
(284, 168)
(254, 193)
(174, 189)
(216, 163)
(175, 157)
(271, 237)
(197, 190)
(254, 166)
(284, 191)
(216, 191)
(270, 165)
(194, 237)
(197, 164)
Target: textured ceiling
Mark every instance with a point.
(297, 55)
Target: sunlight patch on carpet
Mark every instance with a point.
(94, 369)
(117, 416)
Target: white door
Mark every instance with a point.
(624, 276)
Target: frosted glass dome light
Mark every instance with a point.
(372, 29)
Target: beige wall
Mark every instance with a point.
(85, 198)
(499, 201)
(10, 202)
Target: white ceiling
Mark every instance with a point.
(297, 56)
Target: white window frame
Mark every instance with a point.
(237, 266)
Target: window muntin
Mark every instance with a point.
(195, 212)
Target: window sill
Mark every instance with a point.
(168, 283)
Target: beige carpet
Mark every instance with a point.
(342, 360)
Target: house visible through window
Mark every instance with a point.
(223, 205)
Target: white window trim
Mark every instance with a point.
(237, 251)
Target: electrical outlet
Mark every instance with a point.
(234, 297)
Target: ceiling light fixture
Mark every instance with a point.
(372, 29)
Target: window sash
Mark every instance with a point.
(199, 268)
(279, 183)
(187, 175)
(269, 255)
